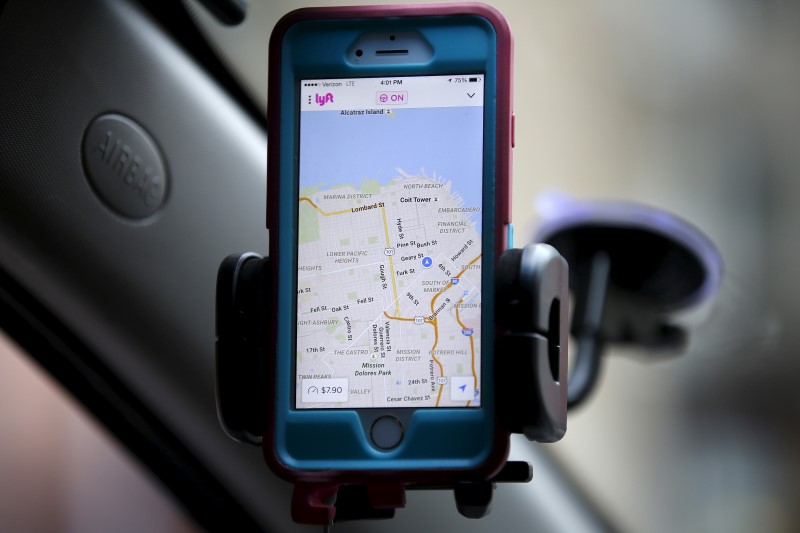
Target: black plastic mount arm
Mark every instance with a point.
(532, 287)
(242, 315)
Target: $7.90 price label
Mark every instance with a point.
(332, 390)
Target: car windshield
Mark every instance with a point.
(690, 107)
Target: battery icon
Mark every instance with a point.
(472, 80)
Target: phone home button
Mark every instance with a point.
(387, 432)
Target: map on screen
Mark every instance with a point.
(389, 255)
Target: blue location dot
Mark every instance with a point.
(427, 262)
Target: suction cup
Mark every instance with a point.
(631, 268)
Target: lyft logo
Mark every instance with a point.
(324, 99)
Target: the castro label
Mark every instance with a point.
(124, 166)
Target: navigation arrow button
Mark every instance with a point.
(470, 95)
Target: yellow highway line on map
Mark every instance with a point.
(391, 264)
(435, 325)
(309, 200)
(472, 348)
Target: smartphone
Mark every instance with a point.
(390, 131)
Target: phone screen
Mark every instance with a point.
(390, 201)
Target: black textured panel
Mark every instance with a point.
(139, 294)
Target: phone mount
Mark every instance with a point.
(530, 361)
(633, 268)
